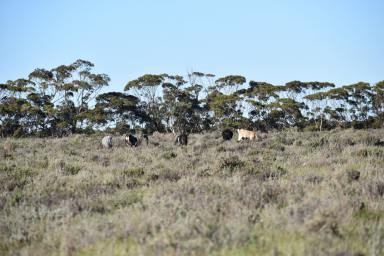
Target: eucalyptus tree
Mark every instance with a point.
(204, 82)
(293, 89)
(148, 89)
(258, 96)
(225, 112)
(342, 105)
(317, 109)
(86, 87)
(292, 94)
(224, 103)
(182, 106)
(337, 105)
(229, 84)
(13, 116)
(43, 100)
(65, 111)
(312, 88)
(118, 109)
(359, 100)
(316, 100)
(378, 103)
(284, 113)
(16, 88)
(40, 114)
(14, 108)
(62, 81)
(63, 94)
(44, 83)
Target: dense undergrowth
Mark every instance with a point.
(292, 193)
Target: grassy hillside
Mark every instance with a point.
(292, 193)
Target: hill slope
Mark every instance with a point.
(291, 193)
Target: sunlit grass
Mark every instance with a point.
(290, 194)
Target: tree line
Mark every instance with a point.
(68, 99)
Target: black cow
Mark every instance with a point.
(227, 134)
(131, 140)
(182, 139)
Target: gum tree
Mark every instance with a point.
(181, 105)
(119, 109)
(148, 89)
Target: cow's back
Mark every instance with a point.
(246, 134)
(107, 141)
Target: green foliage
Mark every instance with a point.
(147, 80)
(229, 83)
(169, 155)
(225, 109)
(70, 169)
(147, 89)
(117, 107)
(181, 106)
(16, 197)
(230, 165)
(50, 102)
(263, 91)
(67, 99)
(132, 172)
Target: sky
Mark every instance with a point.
(276, 41)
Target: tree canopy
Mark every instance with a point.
(68, 99)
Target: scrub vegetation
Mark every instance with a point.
(290, 193)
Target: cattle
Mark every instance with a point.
(227, 134)
(379, 143)
(107, 142)
(136, 141)
(182, 139)
(131, 140)
(245, 134)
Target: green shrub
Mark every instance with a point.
(16, 196)
(230, 164)
(370, 152)
(207, 198)
(70, 169)
(132, 172)
(318, 142)
(169, 155)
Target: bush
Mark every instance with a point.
(132, 172)
(169, 155)
(69, 196)
(69, 169)
(230, 165)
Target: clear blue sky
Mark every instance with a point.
(340, 41)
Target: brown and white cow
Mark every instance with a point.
(245, 134)
(135, 141)
(131, 140)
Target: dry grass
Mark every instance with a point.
(290, 194)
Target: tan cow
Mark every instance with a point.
(245, 134)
